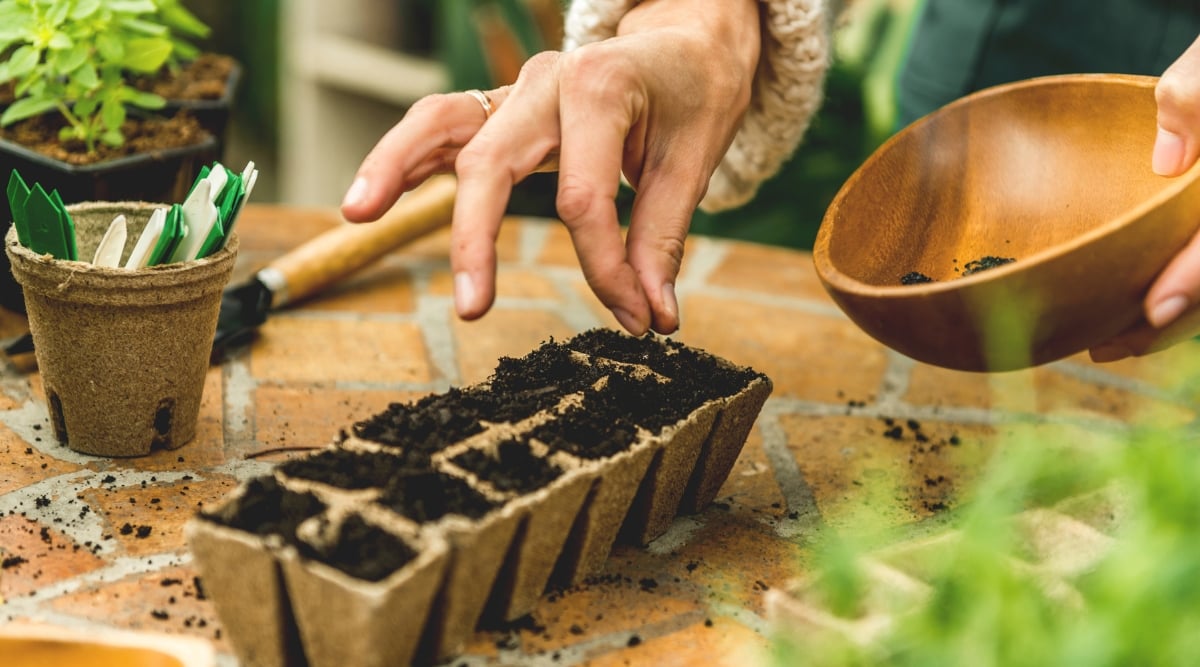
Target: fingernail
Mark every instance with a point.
(356, 193)
(1111, 352)
(629, 322)
(1167, 310)
(464, 293)
(1168, 153)
(670, 303)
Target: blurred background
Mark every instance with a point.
(323, 81)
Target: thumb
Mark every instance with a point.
(659, 221)
(1177, 94)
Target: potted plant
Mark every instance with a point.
(80, 119)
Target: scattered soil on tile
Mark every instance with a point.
(514, 467)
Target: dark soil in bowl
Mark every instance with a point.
(514, 467)
(985, 263)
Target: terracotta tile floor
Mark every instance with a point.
(96, 543)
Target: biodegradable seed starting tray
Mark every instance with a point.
(393, 543)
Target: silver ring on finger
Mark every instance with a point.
(483, 100)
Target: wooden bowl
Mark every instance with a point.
(1053, 173)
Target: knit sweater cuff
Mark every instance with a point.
(787, 88)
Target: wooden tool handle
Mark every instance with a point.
(341, 251)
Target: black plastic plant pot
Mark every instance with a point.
(157, 176)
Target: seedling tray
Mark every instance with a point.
(395, 541)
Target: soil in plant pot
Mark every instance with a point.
(204, 78)
(142, 135)
(514, 467)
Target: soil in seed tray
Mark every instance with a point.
(591, 432)
(666, 357)
(426, 426)
(362, 551)
(914, 278)
(356, 470)
(266, 508)
(646, 401)
(514, 467)
(548, 369)
(426, 497)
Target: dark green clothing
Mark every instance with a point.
(959, 46)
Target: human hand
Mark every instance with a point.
(1171, 306)
(659, 103)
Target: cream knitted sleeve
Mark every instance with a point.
(787, 89)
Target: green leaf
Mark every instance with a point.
(183, 21)
(146, 54)
(85, 76)
(132, 6)
(23, 61)
(27, 108)
(110, 47)
(58, 13)
(84, 9)
(184, 51)
(144, 27)
(70, 59)
(112, 114)
(142, 99)
(112, 137)
(85, 107)
(60, 41)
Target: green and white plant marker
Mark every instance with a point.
(18, 194)
(170, 237)
(199, 215)
(140, 256)
(192, 230)
(108, 252)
